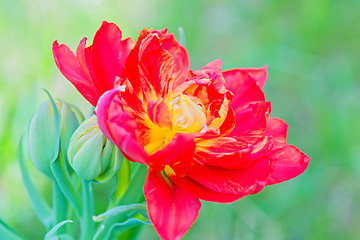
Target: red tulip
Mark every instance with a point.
(203, 134)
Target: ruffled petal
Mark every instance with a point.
(171, 209)
(201, 191)
(155, 69)
(288, 162)
(215, 65)
(230, 181)
(244, 87)
(259, 74)
(109, 54)
(119, 127)
(178, 158)
(131, 67)
(159, 113)
(251, 122)
(277, 128)
(180, 54)
(224, 152)
(70, 67)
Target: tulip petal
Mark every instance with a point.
(119, 127)
(288, 162)
(84, 57)
(251, 122)
(277, 128)
(178, 158)
(248, 180)
(70, 67)
(214, 65)
(260, 75)
(244, 87)
(109, 54)
(159, 113)
(223, 151)
(155, 69)
(180, 54)
(171, 209)
(201, 191)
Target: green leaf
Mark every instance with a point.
(118, 227)
(182, 39)
(40, 206)
(50, 234)
(133, 194)
(7, 233)
(58, 166)
(141, 208)
(135, 191)
(59, 170)
(57, 125)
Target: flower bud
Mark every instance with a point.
(92, 156)
(42, 133)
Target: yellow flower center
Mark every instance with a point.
(186, 116)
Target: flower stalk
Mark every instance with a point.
(87, 223)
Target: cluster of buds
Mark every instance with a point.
(80, 142)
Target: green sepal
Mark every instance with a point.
(50, 235)
(40, 206)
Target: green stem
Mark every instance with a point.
(87, 224)
(132, 195)
(59, 206)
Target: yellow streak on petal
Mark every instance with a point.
(169, 171)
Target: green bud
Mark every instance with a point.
(92, 156)
(42, 133)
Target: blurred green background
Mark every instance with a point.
(312, 49)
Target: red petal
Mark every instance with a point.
(248, 180)
(70, 67)
(131, 99)
(251, 122)
(109, 53)
(155, 69)
(131, 68)
(244, 87)
(288, 162)
(215, 65)
(223, 151)
(260, 75)
(171, 209)
(202, 192)
(179, 53)
(82, 58)
(178, 154)
(159, 113)
(277, 128)
(119, 127)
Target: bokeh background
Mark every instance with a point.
(312, 49)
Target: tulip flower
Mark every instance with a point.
(42, 133)
(91, 155)
(203, 134)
